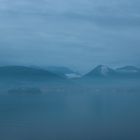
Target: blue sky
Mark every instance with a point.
(75, 33)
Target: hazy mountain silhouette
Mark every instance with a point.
(128, 70)
(56, 73)
(102, 71)
(26, 73)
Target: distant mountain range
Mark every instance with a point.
(128, 70)
(53, 73)
(26, 73)
(103, 71)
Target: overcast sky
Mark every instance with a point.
(75, 33)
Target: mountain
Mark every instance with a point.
(128, 70)
(63, 72)
(26, 73)
(100, 71)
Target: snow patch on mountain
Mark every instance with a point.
(104, 70)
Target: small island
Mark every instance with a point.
(25, 91)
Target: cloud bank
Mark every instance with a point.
(75, 33)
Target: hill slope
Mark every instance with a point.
(28, 73)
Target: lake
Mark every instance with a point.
(70, 116)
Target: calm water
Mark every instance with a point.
(75, 116)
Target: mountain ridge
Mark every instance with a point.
(102, 71)
(15, 72)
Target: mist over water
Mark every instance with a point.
(69, 69)
(79, 115)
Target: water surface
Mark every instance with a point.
(70, 116)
